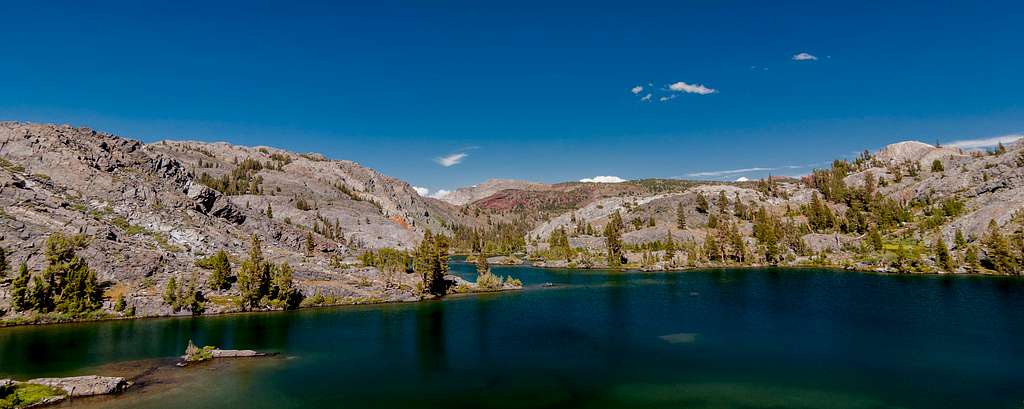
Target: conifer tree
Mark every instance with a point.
(942, 257)
(220, 264)
(72, 286)
(613, 238)
(998, 250)
(20, 297)
(310, 244)
(254, 276)
(670, 247)
(481, 264)
(971, 258)
(875, 239)
(270, 211)
(722, 203)
(431, 262)
(282, 287)
(39, 294)
(958, 239)
(702, 203)
(680, 216)
(171, 294)
(4, 264)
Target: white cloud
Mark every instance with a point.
(440, 194)
(742, 179)
(646, 97)
(984, 142)
(804, 57)
(691, 88)
(603, 179)
(422, 191)
(666, 98)
(451, 160)
(637, 89)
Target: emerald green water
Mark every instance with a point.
(771, 338)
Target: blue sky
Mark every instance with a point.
(531, 90)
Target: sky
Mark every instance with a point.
(445, 94)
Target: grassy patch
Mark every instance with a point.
(25, 394)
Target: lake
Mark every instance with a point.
(752, 338)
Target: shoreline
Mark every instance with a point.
(7, 324)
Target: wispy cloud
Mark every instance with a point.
(731, 172)
(603, 179)
(728, 172)
(691, 88)
(637, 89)
(451, 160)
(646, 97)
(804, 57)
(422, 191)
(984, 142)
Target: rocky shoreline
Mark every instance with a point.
(464, 287)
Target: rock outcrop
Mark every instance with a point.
(89, 385)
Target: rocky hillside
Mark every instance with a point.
(149, 212)
(142, 214)
(467, 195)
(910, 194)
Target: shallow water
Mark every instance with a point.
(769, 338)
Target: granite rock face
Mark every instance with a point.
(149, 217)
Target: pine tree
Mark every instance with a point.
(431, 262)
(613, 238)
(72, 285)
(998, 250)
(680, 216)
(711, 247)
(282, 287)
(971, 258)
(310, 244)
(254, 276)
(220, 277)
(120, 304)
(193, 298)
(722, 203)
(739, 209)
(481, 264)
(4, 264)
(171, 294)
(670, 247)
(20, 299)
(270, 211)
(875, 239)
(702, 203)
(942, 257)
(937, 166)
(712, 221)
(958, 239)
(39, 294)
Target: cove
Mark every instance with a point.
(744, 338)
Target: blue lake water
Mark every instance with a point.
(757, 338)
